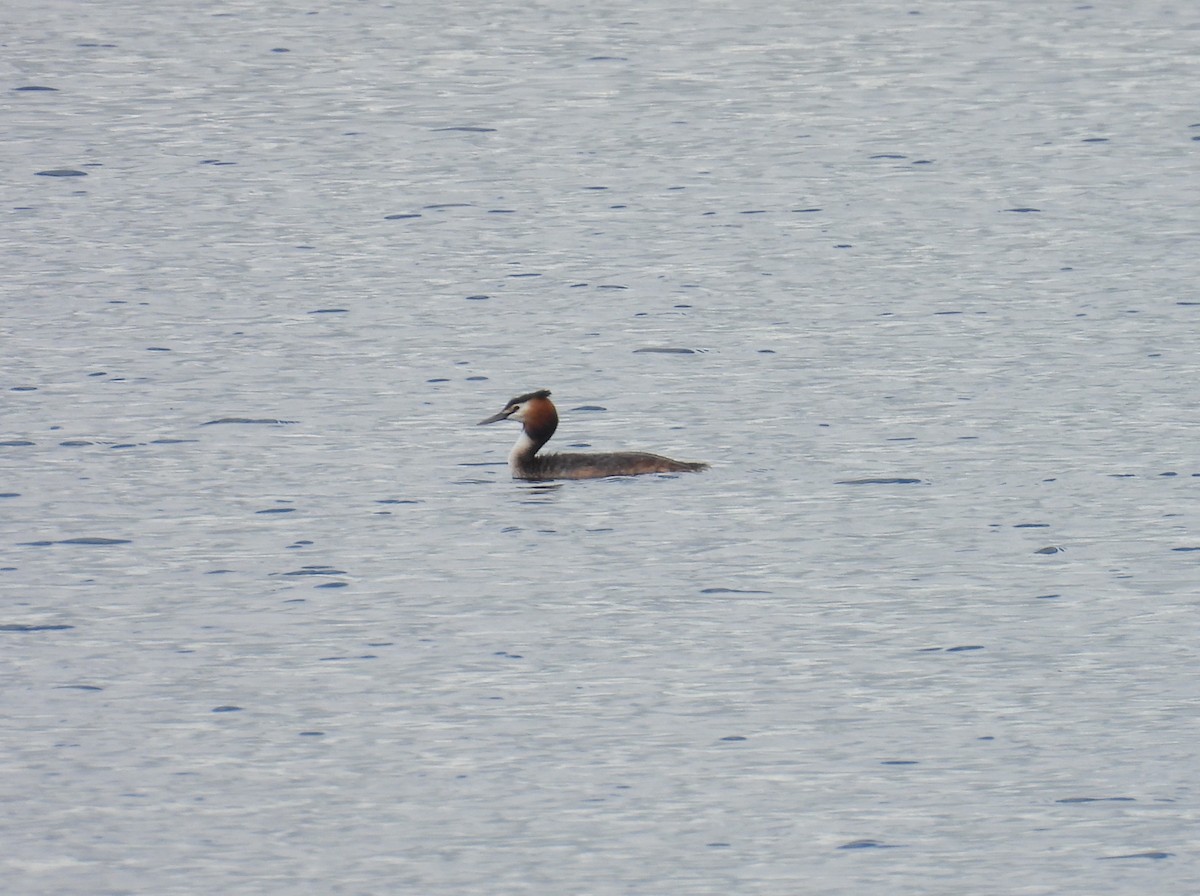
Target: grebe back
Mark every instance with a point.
(539, 419)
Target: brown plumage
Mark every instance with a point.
(539, 419)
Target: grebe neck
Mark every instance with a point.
(521, 456)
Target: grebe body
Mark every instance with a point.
(539, 419)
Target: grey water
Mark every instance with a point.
(919, 281)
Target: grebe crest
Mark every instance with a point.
(539, 419)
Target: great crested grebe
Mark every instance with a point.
(538, 418)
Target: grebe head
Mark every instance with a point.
(534, 411)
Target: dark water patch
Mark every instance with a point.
(867, 844)
(17, 443)
(589, 407)
(1140, 855)
(1072, 800)
(330, 311)
(62, 172)
(156, 348)
(172, 441)
(945, 313)
(438, 379)
(608, 59)
(766, 351)
(717, 844)
(280, 50)
(731, 591)
(476, 379)
(442, 205)
(1168, 474)
(843, 245)
(753, 211)
(252, 421)
(595, 188)
(77, 687)
(216, 162)
(1048, 597)
(1049, 549)
(23, 389)
(478, 298)
(1182, 550)
(35, 88)
(93, 541)
(10, 494)
(522, 275)
(805, 211)
(226, 709)
(1032, 526)
(896, 481)
(333, 585)
(401, 217)
(501, 211)
(313, 571)
(276, 510)
(664, 351)
(899, 762)
(1122, 475)
(468, 129)
(733, 738)
(923, 162)
(77, 443)
(888, 155)
(23, 627)
(396, 501)
(1094, 140)
(91, 45)
(902, 439)
(311, 734)
(1023, 209)
(507, 655)
(610, 286)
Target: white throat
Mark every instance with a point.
(523, 450)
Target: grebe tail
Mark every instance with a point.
(539, 419)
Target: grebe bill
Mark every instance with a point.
(539, 419)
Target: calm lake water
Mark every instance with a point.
(919, 281)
